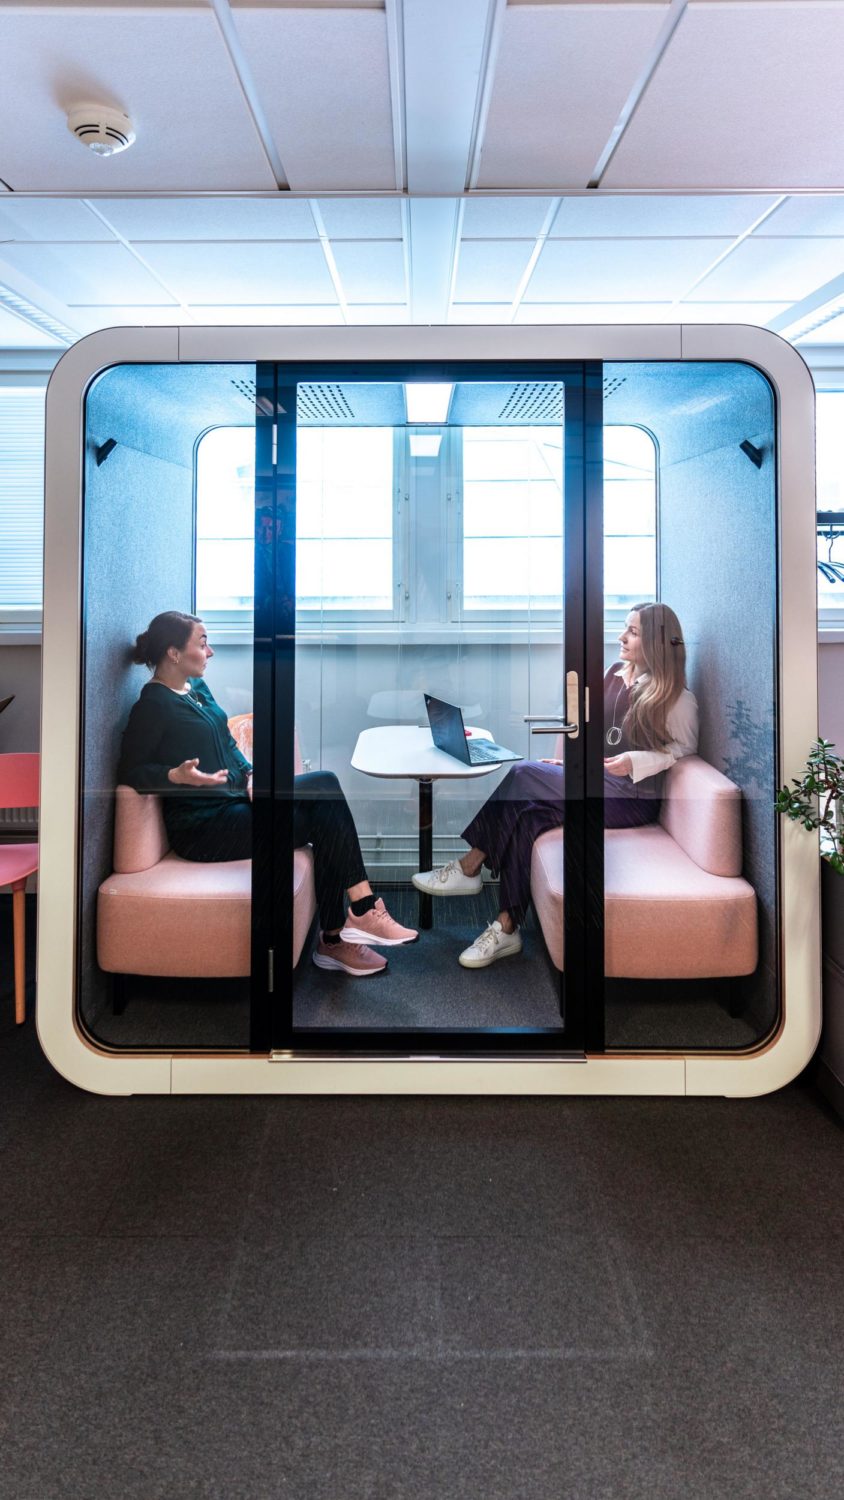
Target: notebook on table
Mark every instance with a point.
(449, 734)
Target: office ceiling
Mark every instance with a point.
(424, 161)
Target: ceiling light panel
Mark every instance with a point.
(785, 269)
(745, 96)
(829, 333)
(372, 271)
(620, 270)
(164, 66)
(427, 401)
(490, 270)
(243, 272)
(90, 274)
(17, 333)
(605, 216)
(562, 76)
(209, 218)
(504, 218)
(324, 83)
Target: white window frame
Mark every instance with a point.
(20, 624)
(829, 380)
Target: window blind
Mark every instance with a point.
(21, 496)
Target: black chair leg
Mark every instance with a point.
(119, 988)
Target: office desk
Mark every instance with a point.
(406, 752)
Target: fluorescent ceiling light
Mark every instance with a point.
(427, 403)
(425, 444)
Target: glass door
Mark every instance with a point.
(423, 539)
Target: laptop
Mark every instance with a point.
(449, 734)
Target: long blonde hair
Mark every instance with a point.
(653, 697)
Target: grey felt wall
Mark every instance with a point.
(137, 560)
(717, 569)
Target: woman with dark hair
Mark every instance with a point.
(650, 721)
(177, 744)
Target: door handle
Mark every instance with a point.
(556, 723)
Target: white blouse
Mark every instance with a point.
(682, 724)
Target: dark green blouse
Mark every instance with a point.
(166, 728)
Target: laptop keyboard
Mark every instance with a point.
(484, 751)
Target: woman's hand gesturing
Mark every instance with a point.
(188, 774)
(619, 765)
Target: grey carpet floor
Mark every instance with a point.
(412, 1299)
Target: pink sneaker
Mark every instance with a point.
(376, 926)
(352, 958)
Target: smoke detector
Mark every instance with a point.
(104, 130)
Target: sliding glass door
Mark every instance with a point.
(423, 540)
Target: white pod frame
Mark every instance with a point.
(758, 1071)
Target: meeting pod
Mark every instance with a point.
(414, 705)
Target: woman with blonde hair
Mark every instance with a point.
(650, 722)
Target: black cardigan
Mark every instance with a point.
(166, 728)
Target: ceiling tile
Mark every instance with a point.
(504, 218)
(376, 314)
(613, 215)
(90, 274)
(49, 219)
(562, 76)
(620, 270)
(243, 272)
(808, 215)
(209, 218)
(324, 82)
(745, 95)
(165, 68)
(361, 218)
(372, 271)
(89, 319)
(596, 312)
(16, 333)
(782, 270)
(271, 315)
(480, 312)
(758, 313)
(490, 270)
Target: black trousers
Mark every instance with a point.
(321, 817)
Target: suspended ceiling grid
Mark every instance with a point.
(446, 108)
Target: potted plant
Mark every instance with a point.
(816, 799)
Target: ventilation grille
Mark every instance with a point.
(534, 402)
(323, 403)
(14, 818)
(246, 388)
(612, 383)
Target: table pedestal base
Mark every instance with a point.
(426, 848)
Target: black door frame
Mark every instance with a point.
(581, 992)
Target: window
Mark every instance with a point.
(512, 519)
(21, 499)
(345, 560)
(629, 517)
(829, 428)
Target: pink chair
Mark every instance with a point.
(18, 788)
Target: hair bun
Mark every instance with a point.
(140, 652)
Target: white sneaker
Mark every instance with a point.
(493, 943)
(448, 880)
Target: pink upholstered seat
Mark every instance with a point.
(159, 914)
(676, 906)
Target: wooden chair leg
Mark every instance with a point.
(19, 928)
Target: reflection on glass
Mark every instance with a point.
(690, 895)
(406, 536)
(165, 906)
